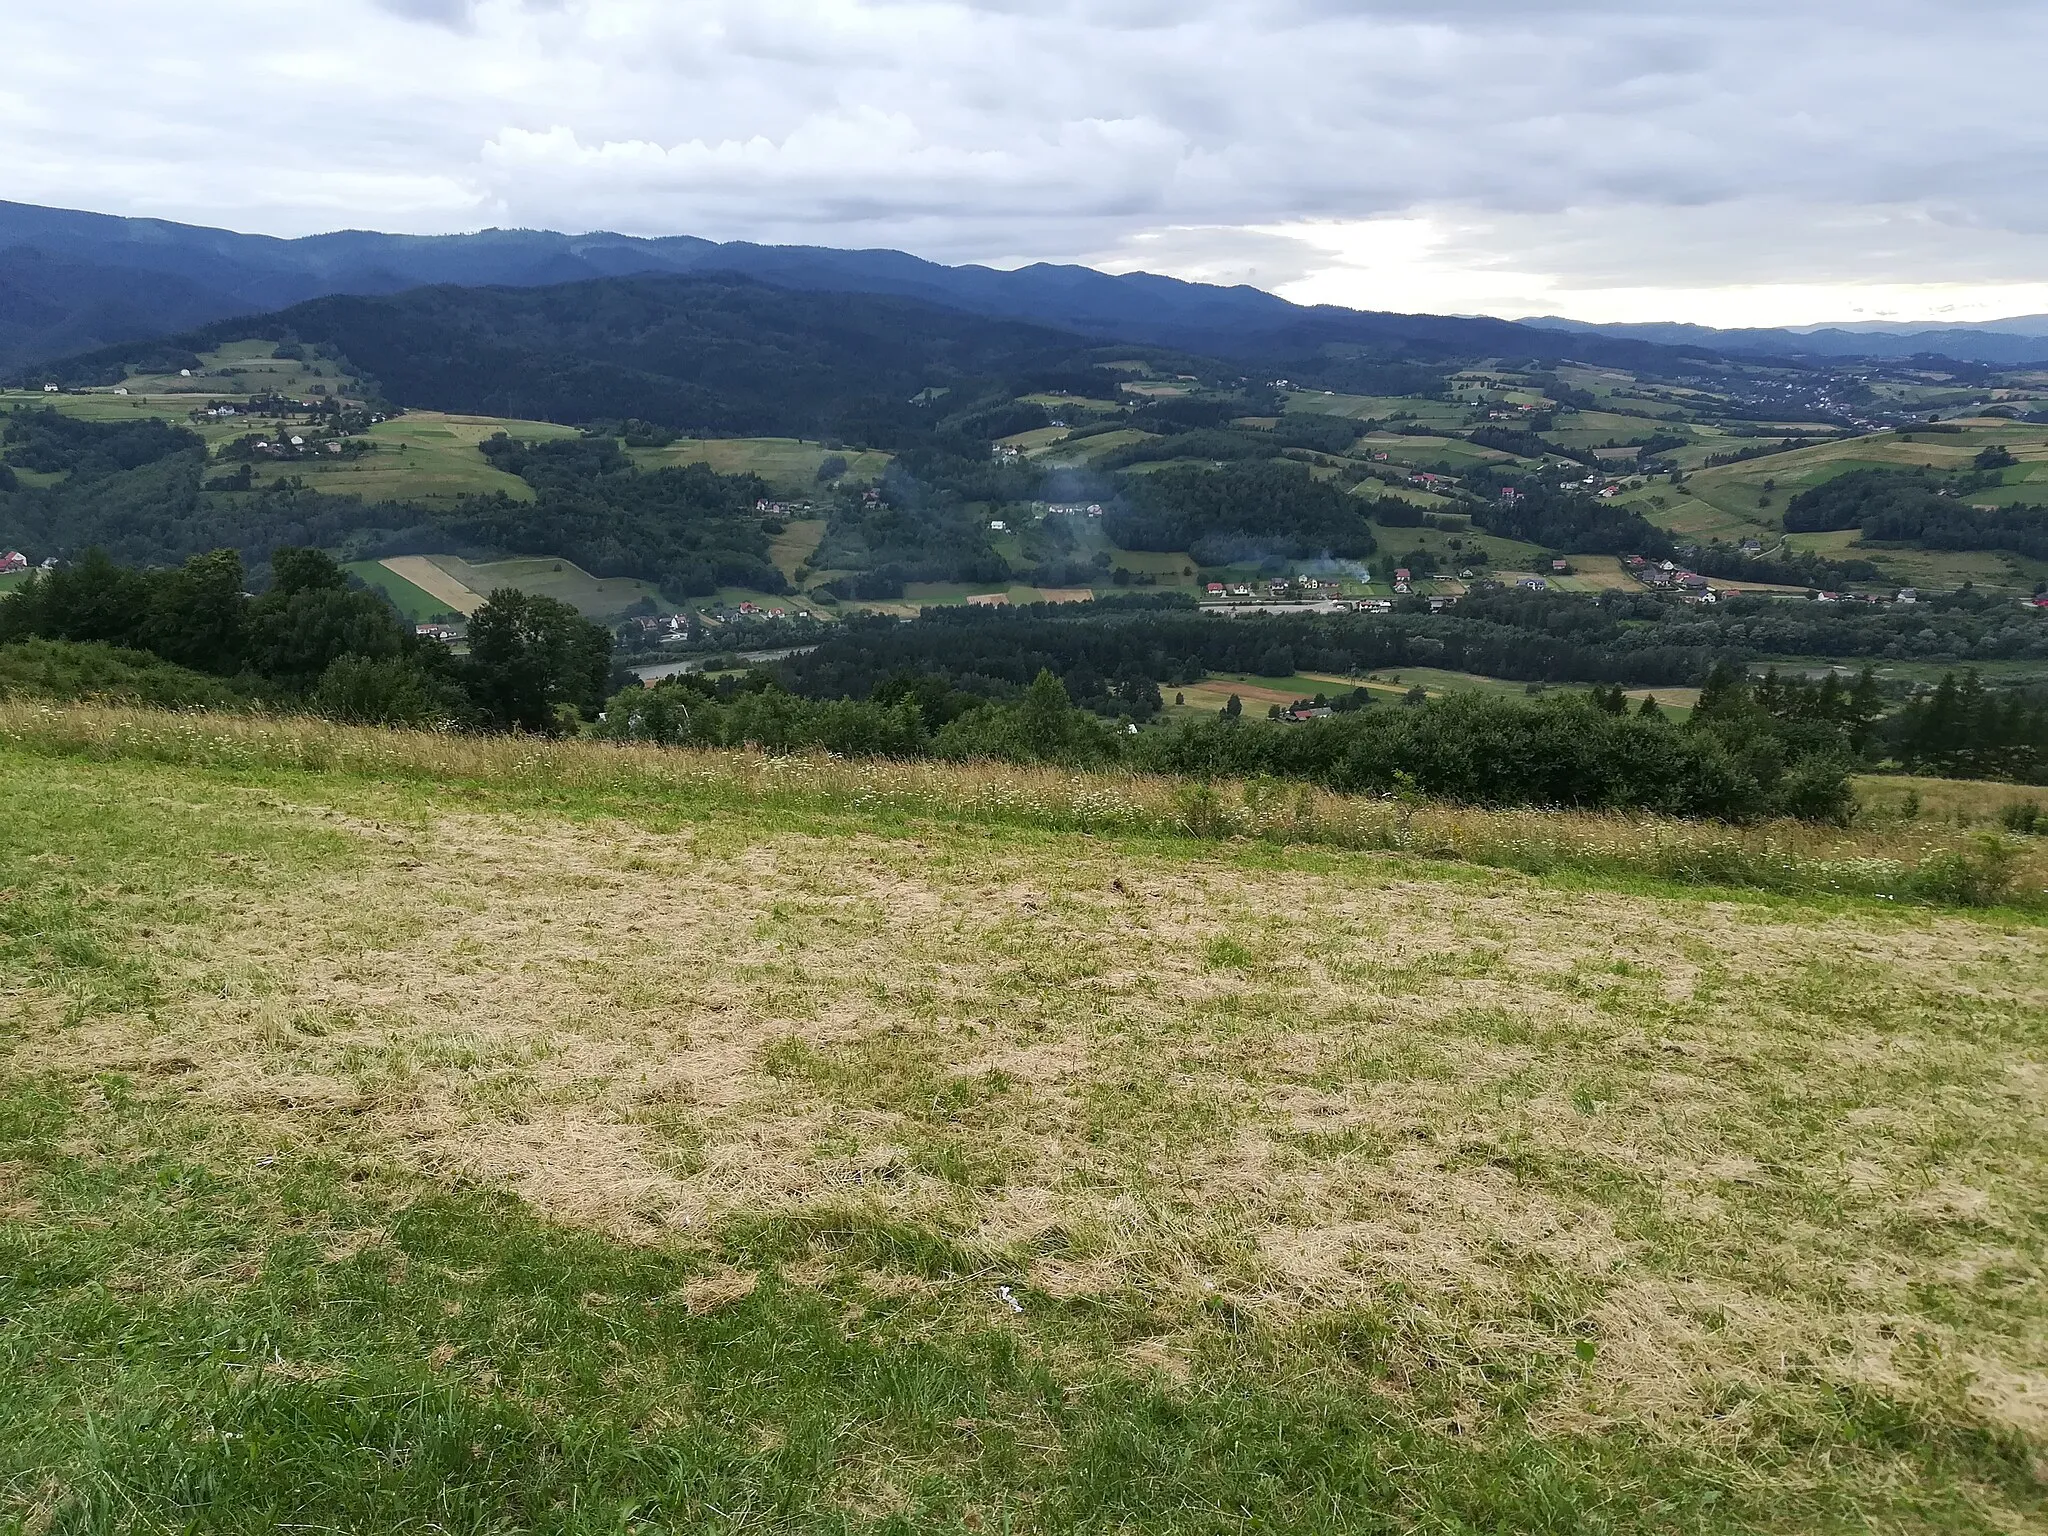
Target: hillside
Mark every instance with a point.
(713, 355)
(569, 1135)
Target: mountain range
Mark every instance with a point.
(73, 281)
(2022, 339)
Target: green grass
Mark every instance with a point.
(439, 1133)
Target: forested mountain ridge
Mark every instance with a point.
(722, 355)
(72, 281)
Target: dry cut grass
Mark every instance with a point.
(1712, 1159)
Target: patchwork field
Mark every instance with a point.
(414, 601)
(400, 1131)
(598, 597)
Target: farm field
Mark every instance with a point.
(1387, 685)
(786, 463)
(421, 456)
(794, 546)
(597, 597)
(414, 601)
(485, 1127)
(428, 574)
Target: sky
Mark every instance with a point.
(1725, 162)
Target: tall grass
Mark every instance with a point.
(1886, 858)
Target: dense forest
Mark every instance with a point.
(1103, 651)
(720, 355)
(1260, 510)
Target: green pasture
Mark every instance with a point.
(788, 464)
(424, 456)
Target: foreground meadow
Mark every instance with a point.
(399, 1134)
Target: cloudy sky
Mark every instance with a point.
(1722, 161)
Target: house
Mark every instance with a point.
(998, 526)
(13, 560)
(1401, 574)
(120, 390)
(1509, 495)
(1827, 597)
(1908, 595)
(1562, 567)
(1633, 562)
(1690, 581)
(297, 441)
(1533, 584)
(1751, 546)
(49, 389)
(1215, 589)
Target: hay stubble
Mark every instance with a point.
(1727, 1147)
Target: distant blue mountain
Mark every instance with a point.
(1983, 342)
(71, 282)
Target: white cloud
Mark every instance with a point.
(1721, 161)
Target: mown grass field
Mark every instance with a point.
(404, 1132)
(425, 456)
(786, 463)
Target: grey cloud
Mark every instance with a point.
(1599, 141)
(447, 13)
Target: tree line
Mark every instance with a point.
(1914, 507)
(312, 640)
(1560, 751)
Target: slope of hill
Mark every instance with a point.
(407, 1128)
(180, 273)
(714, 354)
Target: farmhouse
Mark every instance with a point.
(13, 560)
